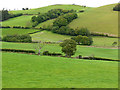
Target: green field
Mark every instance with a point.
(24, 21)
(48, 36)
(46, 23)
(81, 50)
(22, 70)
(102, 19)
(12, 31)
(47, 8)
(104, 41)
(30, 71)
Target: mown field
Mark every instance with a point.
(102, 19)
(24, 21)
(30, 71)
(12, 31)
(81, 50)
(47, 8)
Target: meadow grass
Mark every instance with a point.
(48, 36)
(12, 31)
(47, 8)
(104, 41)
(102, 19)
(24, 21)
(31, 71)
(46, 23)
(81, 50)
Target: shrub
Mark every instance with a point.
(17, 38)
(4, 26)
(17, 27)
(117, 7)
(82, 31)
(51, 54)
(84, 40)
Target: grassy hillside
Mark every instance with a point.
(46, 23)
(29, 71)
(101, 19)
(48, 36)
(81, 50)
(11, 31)
(18, 21)
(47, 8)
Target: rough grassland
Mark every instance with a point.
(101, 19)
(30, 71)
(11, 31)
(18, 21)
(47, 8)
(81, 50)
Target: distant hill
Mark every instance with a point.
(102, 19)
(47, 8)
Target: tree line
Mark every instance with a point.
(51, 14)
(117, 7)
(5, 15)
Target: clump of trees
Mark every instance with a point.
(117, 7)
(65, 30)
(25, 8)
(83, 40)
(68, 47)
(53, 13)
(17, 38)
(65, 19)
(5, 15)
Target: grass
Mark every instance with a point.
(47, 8)
(46, 23)
(102, 19)
(104, 41)
(11, 31)
(81, 50)
(48, 36)
(18, 21)
(30, 71)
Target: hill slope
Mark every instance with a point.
(47, 8)
(101, 19)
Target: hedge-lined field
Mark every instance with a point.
(12, 31)
(102, 19)
(24, 21)
(48, 36)
(81, 50)
(31, 71)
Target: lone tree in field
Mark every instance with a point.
(68, 47)
(38, 47)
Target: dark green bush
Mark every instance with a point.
(117, 7)
(82, 31)
(17, 38)
(51, 54)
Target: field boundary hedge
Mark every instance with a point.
(18, 51)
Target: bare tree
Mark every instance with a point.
(38, 47)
